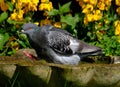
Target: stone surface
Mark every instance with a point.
(19, 71)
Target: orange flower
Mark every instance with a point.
(3, 5)
(46, 21)
(57, 24)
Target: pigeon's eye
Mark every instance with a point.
(28, 28)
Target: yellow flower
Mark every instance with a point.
(46, 6)
(85, 21)
(97, 15)
(108, 2)
(99, 34)
(15, 45)
(37, 23)
(89, 17)
(117, 2)
(118, 10)
(106, 21)
(116, 23)
(13, 16)
(35, 2)
(86, 1)
(98, 26)
(20, 14)
(97, 12)
(17, 16)
(101, 5)
(42, 1)
(93, 2)
(44, 22)
(117, 30)
(87, 9)
(13, 1)
(117, 27)
(57, 24)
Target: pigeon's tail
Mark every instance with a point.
(87, 50)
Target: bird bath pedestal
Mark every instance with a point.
(20, 71)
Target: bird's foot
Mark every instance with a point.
(32, 57)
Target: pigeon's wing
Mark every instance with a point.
(60, 41)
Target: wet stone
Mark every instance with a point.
(19, 71)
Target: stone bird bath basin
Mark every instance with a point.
(20, 71)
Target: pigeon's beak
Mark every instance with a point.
(22, 31)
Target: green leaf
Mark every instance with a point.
(10, 21)
(53, 12)
(3, 39)
(68, 19)
(10, 6)
(21, 43)
(65, 8)
(3, 16)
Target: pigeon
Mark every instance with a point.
(57, 45)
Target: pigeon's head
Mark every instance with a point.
(29, 28)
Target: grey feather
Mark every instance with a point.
(57, 45)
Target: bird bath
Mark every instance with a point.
(20, 71)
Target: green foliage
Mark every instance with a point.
(3, 39)
(3, 16)
(62, 9)
(11, 6)
(65, 17)
(100, 32)
(65, 8)
(72, 21)
(110, 45)
(106, 39)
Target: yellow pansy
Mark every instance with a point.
(46, 6)
(108, 2)
(35, 2)
(101, 5)
(37, 23)
(117, 30)
(117, 27)
(118, 10)
(44, 1)
(87, 9)
(117, 2)
(17, 16)
(57, 24)
(15, 45)
(85, 21)
(97, 15)
(85, 1)
(93, 2)
(13, 16)
(89, 17)
(116, 23)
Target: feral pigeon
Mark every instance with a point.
(57, 45)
